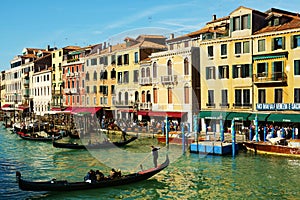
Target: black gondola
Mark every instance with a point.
(39, 138)
(93, 146)
(64, 185)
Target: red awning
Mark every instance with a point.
(91, 110)
(56, 109)
(6, 105)
(126, 110)
(166, 114)
(22, 107)
(144, 112)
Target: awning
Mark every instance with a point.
(212, 114)
(284, 117)
(239, 116)
(6, 106)
(260, 116)
(143, 112)
(83, 110)
(166, 114)
(22, 108)
(126, 110)
(56, 109)
(270, 56)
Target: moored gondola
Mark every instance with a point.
(36, 137)
(93, 146)
(64, 185)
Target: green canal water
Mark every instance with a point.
(189, 176)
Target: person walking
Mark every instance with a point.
(155, 155)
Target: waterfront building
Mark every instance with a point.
(175, 81)
(57, 80)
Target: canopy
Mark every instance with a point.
(239, 116)
(166, 114)
(284, 117)
(212, 114)
(260, 116)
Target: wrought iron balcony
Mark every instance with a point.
(270, 78)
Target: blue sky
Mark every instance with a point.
(60, 23)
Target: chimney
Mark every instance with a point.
(48, 47)
(104, 45)
(172, 36)
(109, 48)
(214, 17)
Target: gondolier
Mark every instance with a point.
(155, 155)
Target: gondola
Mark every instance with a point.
(38, 137)
(64, 185)
(93, 146)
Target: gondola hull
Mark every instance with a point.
(64, 185)
(93, 146)
(42, 139)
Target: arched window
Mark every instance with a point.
(154, 70)
(143, 96)
(148, 72)
(169, 67)
(126, 98)
(143, 72)
(186, 66)
(87, 76)
(95, 75)
(113, 73)
(120, 97)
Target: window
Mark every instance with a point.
(155, 99)
(136, 57)
(278, 43)
(236, 23)
(297, 95)
(295, 42)
(211, 98)
(186, 95)
(95, 89)
(238, 97)
(113, 74)
(223, 49)
(170, 93)
(171, 46)
(262, 69)
(82, 83)
(95, 75)
(135, 76)
(126, 76)
(261, 45)
(143, 72)
(186, 66)
(87, 101)
(95, 100)
(240, 22)
(261, 96)
(148, 72)
(87, 89)
(246, 97)
(119, 60)
(246, 47)
(126, 59)
(278, 96)
(296, 67)
(224, 97)
(242, 97)
(93, 61)
(210, 73)
(87, 76)
(186, 43)
(113, 59)
(238, 48)
(53, 55)
(169, 67)
(59, 54)
(210, 51)
(112, 89)
(277, 68)
(242, 71)
(223, 71)
(154, 70)
(120, 77)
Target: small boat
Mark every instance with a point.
(37, 137)
(281, 147)
(93, 146)
(64, 185)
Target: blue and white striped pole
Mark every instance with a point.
(233, 138)
(293, 133)
(256, 128)
(251, 132)
(221, 131)
(183, 138)
(265, 133)
(167, 132)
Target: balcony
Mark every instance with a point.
(76, 74)
(145, 81)
(242, 105)
(73, 90)
(145, 106)
(168, 80)
(67, 90)
(271, 79)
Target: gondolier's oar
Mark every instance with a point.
(140, 164)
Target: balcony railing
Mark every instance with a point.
(170, 79)
(73, 90)
(145, 81)
(145, 106)
(67, 90)
(242, 105)
(276, 77)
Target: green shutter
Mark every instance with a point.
(249, 21)
(273, 41)
(292, 42)
(250, 70)
(231, 24)
(207, 73)
(233, 70)
(283, 42)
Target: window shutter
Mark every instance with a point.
(231, 24)
(292, 42)
(207, 73)
(233, 72)
(283, 42)
(273, 44)
(227, 72)
(249, 21)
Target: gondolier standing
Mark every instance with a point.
(155, 155)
